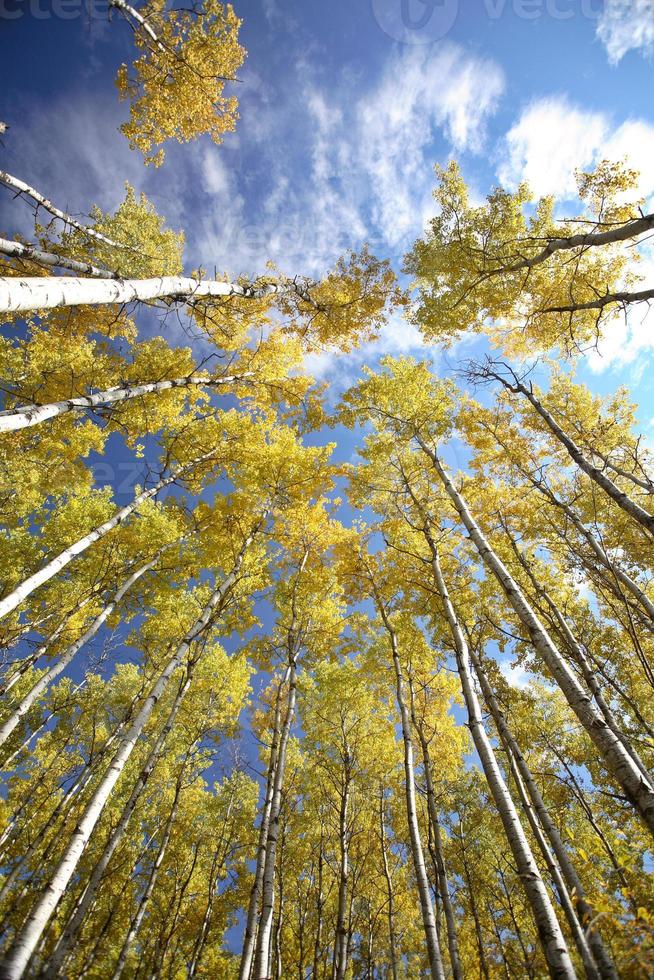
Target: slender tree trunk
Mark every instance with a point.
(341, 944)
(25, 943)
(22, 294)
(599, 963)
(481, 946)
(131, 13)
(137, 919)
(320, 903)
(392, 939)
(597, 549)
(429, 923)
(547, 925)
(443, 885)
(67, 656)
(20, 187)
(616, 759)
(622, 499)
(262, 955)
(608, 299)
(18, 250)
(28, 415)
(86, 899)
(250, 934)
(55, 565)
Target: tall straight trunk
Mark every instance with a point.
(547, 925)
(251, 923)
(18, 250)
(622, 499)
(616, 759)
(390, 895)
(441, 871)
(20, 294)
(70, 932)
(21, 188)
(342, 937)
(600, 962)
(130, 13)
(137, 919)
(428, 921)
(67, 656)
(320, 904)
(264, 933)
(26, 941)
(28, 415)
(29, 662)
(64, 558)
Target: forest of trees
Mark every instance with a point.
(411, 813)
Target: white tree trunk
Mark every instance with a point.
(135, 923)
(28, 415)
(341, 941)
(55, 565)
(18, 250)
(128, 11)
(264, 933)
(549, 931)
(20, 294)
(66, 657)
(616, 759)
(42, 202)
(600, 962)
(250, 934)
(71, 931)
(621, 498)
(436, 970)
(28, 938)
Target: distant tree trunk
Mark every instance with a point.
(42, 202)
(341, 943)
(428, 921)
(481, 945)
(135, 923)
(549, 932)
(441, 872)
(392, 939)
(18, 250)
(597, 961)
(616, 759)
(250, 934)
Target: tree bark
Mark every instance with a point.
(28, 415)
(64, 558)
(392, 939)
(616, 759)
(18, 250)
(26, 941)
(20, 294)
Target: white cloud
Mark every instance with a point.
(515, 675)
(626, 25)
(548, 142)
(553, 138)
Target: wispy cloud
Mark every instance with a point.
(626, 25)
